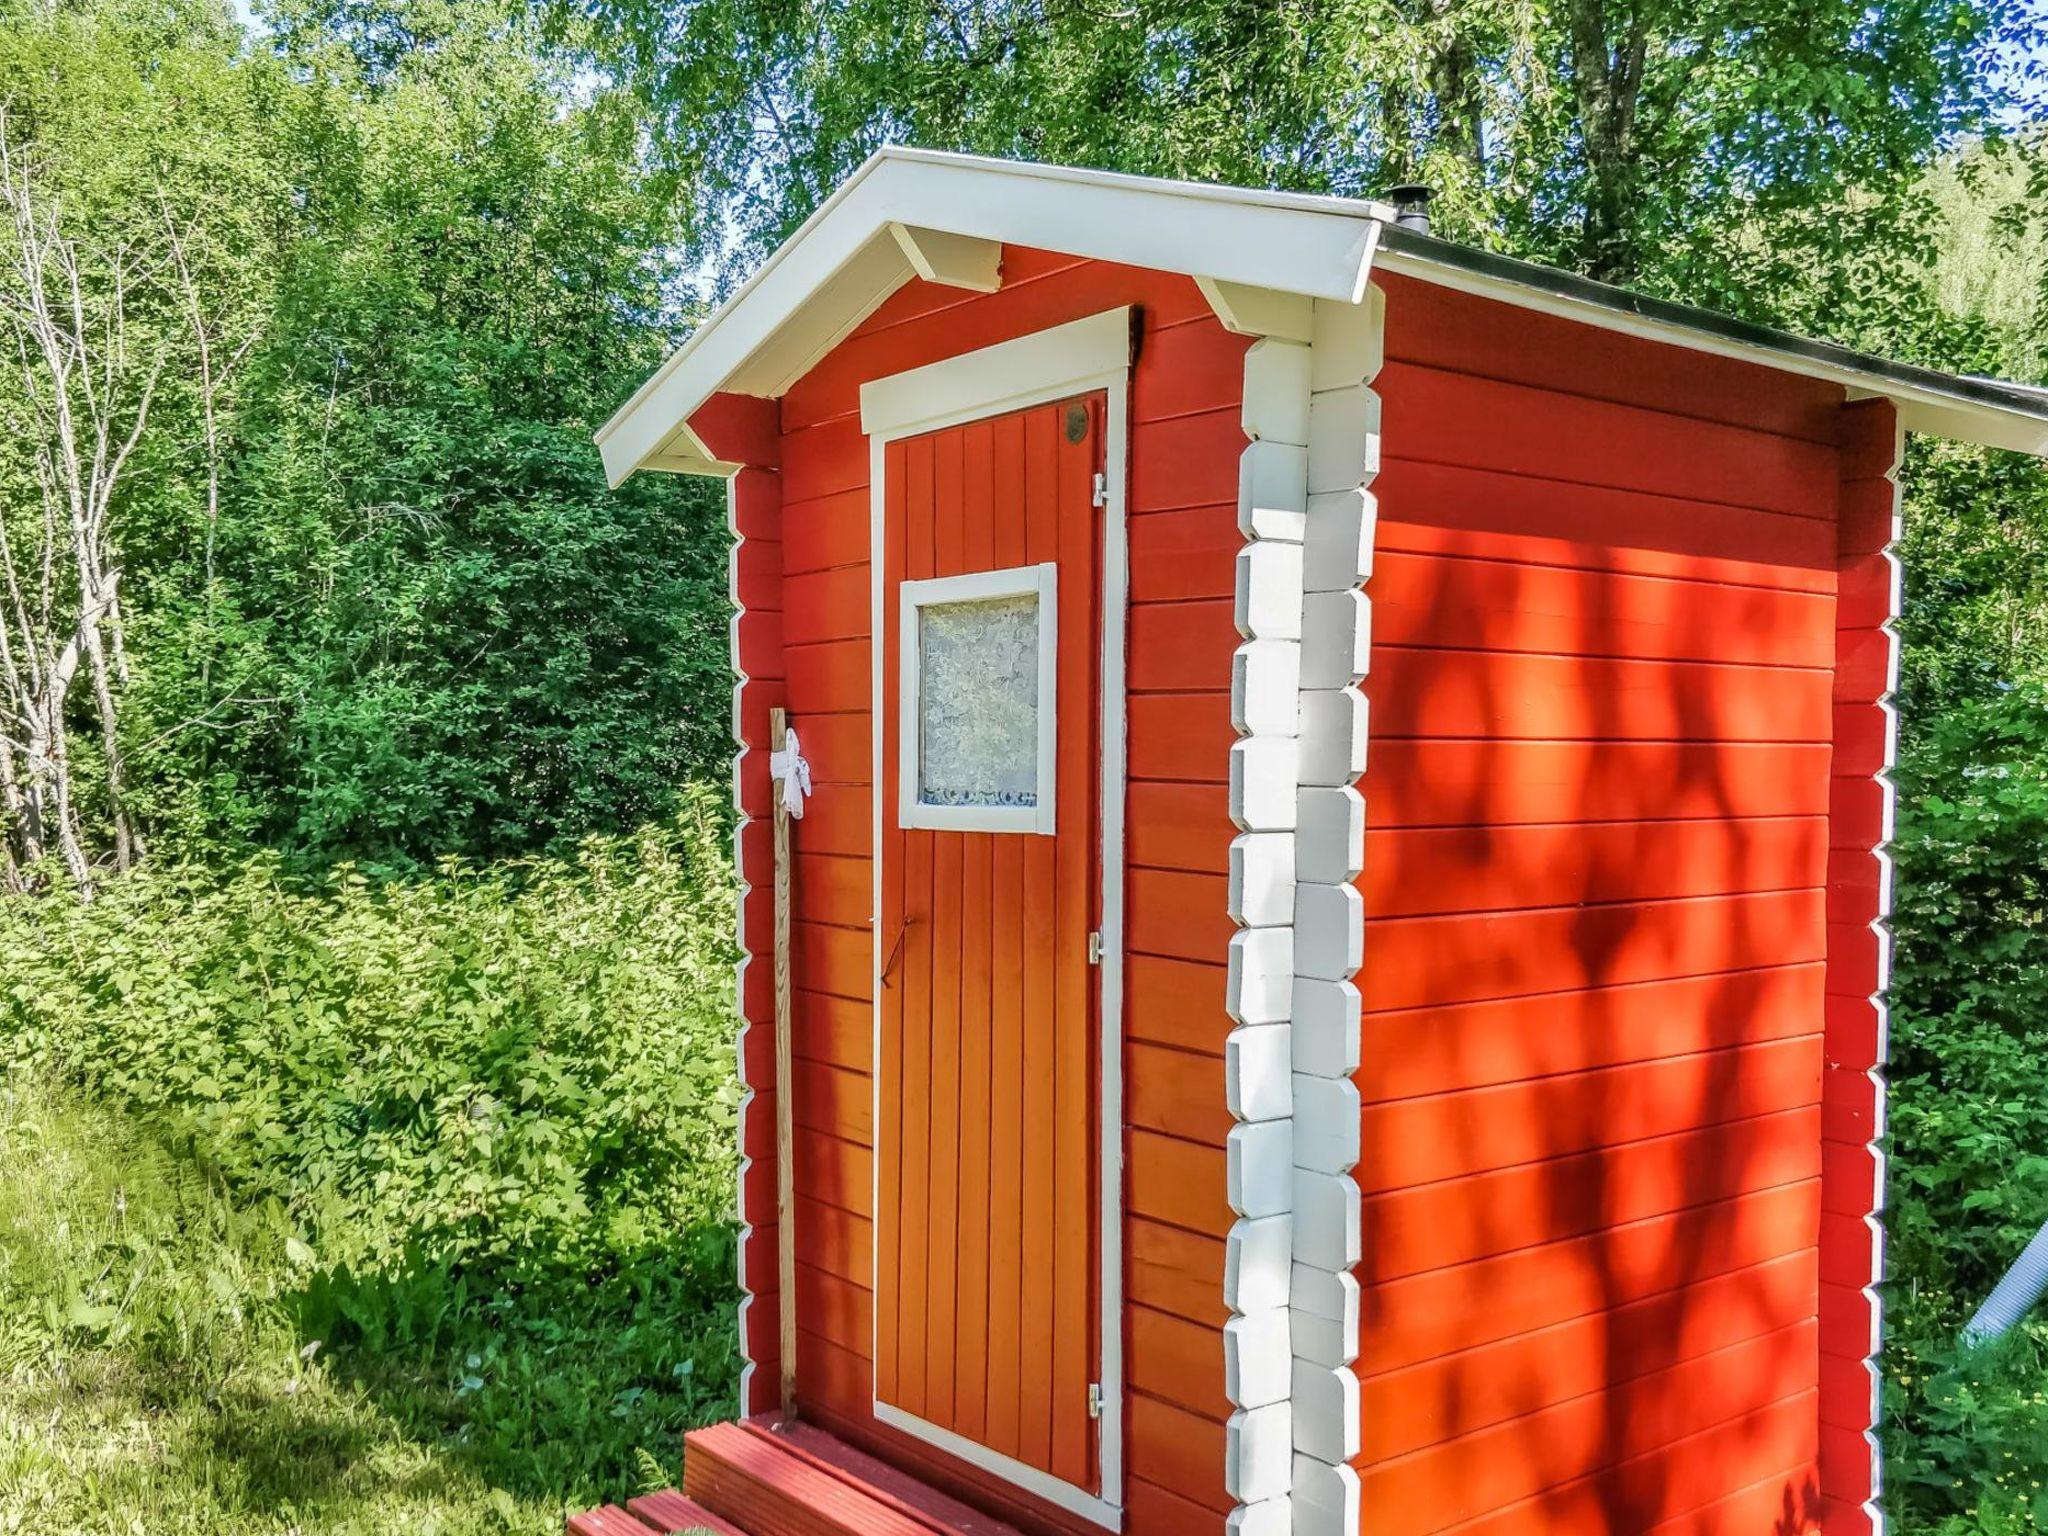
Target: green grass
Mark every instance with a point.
(155, 1377)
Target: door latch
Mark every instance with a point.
(1094, 1399)
(1101, 490)
(1095, 947)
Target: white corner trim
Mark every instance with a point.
(1342, 458)
(1306, 511)
(1008, 376)
(1040, 582)
(1265, 694)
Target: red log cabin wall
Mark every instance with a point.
(802, 641)
(1613, 1276)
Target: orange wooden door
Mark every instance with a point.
(988, 1250)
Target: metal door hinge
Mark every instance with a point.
(1095, 947)
(1101, 489)
(1094, 1399)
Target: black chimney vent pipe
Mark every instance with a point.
(1411, 206)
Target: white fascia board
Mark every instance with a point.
(845, 260)
(1920, 410)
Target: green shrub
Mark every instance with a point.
(1967, 1442)
(529, 1066)
(483, 1121)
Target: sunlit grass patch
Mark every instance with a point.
(155, 1378)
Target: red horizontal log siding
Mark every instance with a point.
(1185, 441)
(1597, 943)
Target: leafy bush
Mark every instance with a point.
(529, 1064)
(486, 1116)
(1968, 1439)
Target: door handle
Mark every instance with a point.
(896, 950)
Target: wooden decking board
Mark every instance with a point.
(609, 1520)
(669, 1511)
(744, 1479)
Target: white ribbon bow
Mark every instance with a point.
(788, 766)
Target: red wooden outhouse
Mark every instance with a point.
(1336, 957)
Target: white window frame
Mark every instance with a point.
(1039, 581)
(1077, 358)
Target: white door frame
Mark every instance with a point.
(1079, 357)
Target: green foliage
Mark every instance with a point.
(1968, 1448)
(1810, 122)
(530, 1063)
(1971, 1009)
(380, 603)
(472, 1134)
(155, 1376)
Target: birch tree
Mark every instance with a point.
(84, 376)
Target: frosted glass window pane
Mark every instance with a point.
(977, 704)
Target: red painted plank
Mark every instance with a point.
(1444, 328)
(1176, 1271)
(1549, 436)
(607, 1521)
(1430, 692)
(1180, 1183)
(1473, 1045)
(1495, 604)
(1435, 1226)
(1459, 1394)
(1177, 1361)
(1493, 783)
(1178, 1093)
(1653, 1488)
(1182, 737)
(1419, 1141)
(1465, 957)
(1178, 1449)
(1182, 645)
(1187, 554)
(1499, 1466)
(1180, 916)
(669, 1511)
(1462, 510)
(1473, 869)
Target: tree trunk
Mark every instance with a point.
(1607, 83)
(15, 807)
(110, 748)
(1455, 81)
(65, 817)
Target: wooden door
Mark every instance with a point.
(988, 1247)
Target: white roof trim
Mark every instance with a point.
(893, 214)
(845, 260)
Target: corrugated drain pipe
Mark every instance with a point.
(2014, 1296)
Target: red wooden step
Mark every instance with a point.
(769, 1490)
(609, 1520)
(803, 1482)
(666, 1511)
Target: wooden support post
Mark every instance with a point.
(785, 1086)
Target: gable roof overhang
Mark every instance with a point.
(1259, 256)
